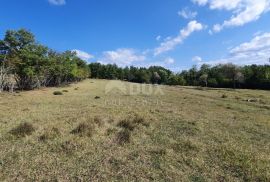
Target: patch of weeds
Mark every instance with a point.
(50, 134)
(83, 129)
(69, 147)
(126, 124)
(133, 122)
(111, 131)
(197, 178)
(156, 156)
(123, 137)
(24, 129)
(184, 147)
(64, 90)
(57, 93)
(77, 88)
(97, 97)
(224, 96)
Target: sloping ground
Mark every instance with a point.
(109, 131)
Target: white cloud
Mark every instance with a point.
(256, 51)
(83, 55)
(171, 43)
(166, 63)
(197, 59)
(187, 13)
(122, 57)
(169, 60)
(57, 2)
(243, 11)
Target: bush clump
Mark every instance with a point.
(57, 93)
(224, 96)
(65, 91)
(83, 129)
(126, 124)
(97, 97)
(132, 123)
(49, 134)
(24, 129)
(123, 137)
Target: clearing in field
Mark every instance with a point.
(95, 131)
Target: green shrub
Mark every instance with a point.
(64, 90)
(57, 93)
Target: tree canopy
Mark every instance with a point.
(31, 65)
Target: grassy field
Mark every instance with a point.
(173, 134)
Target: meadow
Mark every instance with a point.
(90, 131)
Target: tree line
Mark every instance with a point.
(219, 76)
(26, 64)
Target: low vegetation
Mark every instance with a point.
(23, 130)
(83, 129)
(57, 93)
(187, 134)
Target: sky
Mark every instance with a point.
(176, 34)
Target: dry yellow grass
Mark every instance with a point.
(185, 134)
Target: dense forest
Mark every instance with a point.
(26, 64)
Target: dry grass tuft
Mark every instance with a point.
(127, 124)
(123, 137)
(132, 122)
(50, 134)
(83, 129)
(23, 130)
